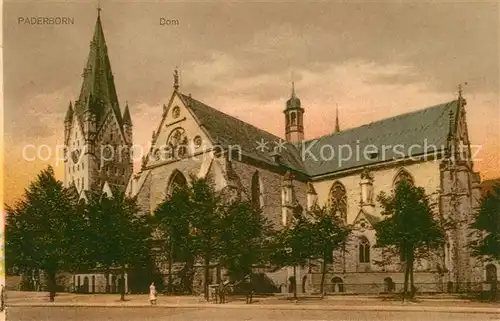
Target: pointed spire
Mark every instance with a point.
(293, 90)
(176, 79)
(69, 113)
(98, 92)
(127, 120)
(337, 126)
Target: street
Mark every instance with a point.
(212, 314)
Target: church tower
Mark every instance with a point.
(294, 119)
(97, 138)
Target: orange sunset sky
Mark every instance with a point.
(374, 60)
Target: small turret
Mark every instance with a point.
(294, 118)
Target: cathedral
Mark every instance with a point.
(345, 170)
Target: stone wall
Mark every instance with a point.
(374, 282)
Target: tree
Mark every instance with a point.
(172, 223)
(205, 221)
(329, 234)
(293, 245)
(409, 227)
(487, 222)
(45, 230)
(244, 231)
(190, 223)
(120, 236)
(485, 242)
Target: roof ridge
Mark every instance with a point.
(380, 120)
(233, 117)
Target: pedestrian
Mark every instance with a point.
(152, 294)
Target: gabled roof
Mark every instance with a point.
(230, 131)
(420, 129)
(98, 92)
(405, 135)
(372, 219)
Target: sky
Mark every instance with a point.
(371, 59)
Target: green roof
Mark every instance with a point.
(421, 129)
(404, 135)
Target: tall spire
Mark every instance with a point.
(337, 126)
(176, 79)
(293, 89)
(98, 92)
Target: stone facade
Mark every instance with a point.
(195, 140)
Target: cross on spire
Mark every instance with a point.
(99, 7)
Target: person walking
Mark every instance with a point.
(152, 294)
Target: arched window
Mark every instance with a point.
(338, 284)
(491, 273)
(257, 195)
(177, 180)
(338, 200)
(294, 118)
(364, 250)
(403, 175)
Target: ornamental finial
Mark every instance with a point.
(176, 78)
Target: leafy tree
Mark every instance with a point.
(485, 242)
(119, 236)
(487, 223)
(409, 227)
(172, 222)
(45, 229)
(329, 234)
(205, 222)
(190, 223)
(293, 245)
(244, 231)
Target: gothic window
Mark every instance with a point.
(177, 180)
(338, 200)
(257, 200)
(364, 250)
(403, 175)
